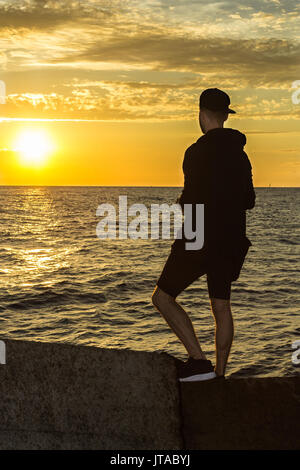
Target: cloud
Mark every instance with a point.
(110, 101)
(107, 35)
(228, 18)
(245, 8)
(41, 14)
(128, 100)
(249, 62)
(191, 42)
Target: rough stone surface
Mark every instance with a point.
(237, 414)
(57, 396)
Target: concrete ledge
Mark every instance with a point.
(238, 414)
(55, 396)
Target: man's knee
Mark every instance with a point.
(220, 304)
(220, 307)
(159, 297)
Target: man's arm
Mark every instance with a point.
(192, 178)
(184, 196)
(249, 198)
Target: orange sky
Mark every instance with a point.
(115, 86)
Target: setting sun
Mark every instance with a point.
(34, 147)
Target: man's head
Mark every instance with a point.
(214, 109)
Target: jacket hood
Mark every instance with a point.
(225, 137)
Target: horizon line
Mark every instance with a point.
(116, 186)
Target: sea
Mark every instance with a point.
(61, 283)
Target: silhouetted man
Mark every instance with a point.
(218, 174)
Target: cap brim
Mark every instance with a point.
(230, 111)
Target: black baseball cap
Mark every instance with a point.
(215, 100)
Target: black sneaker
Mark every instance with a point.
(194, 370)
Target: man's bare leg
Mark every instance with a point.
(223, 333)
(179, 321)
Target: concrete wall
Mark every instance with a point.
(251, 413)
(55, 396)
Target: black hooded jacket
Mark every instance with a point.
(218, 174)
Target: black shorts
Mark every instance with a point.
(183, 267)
